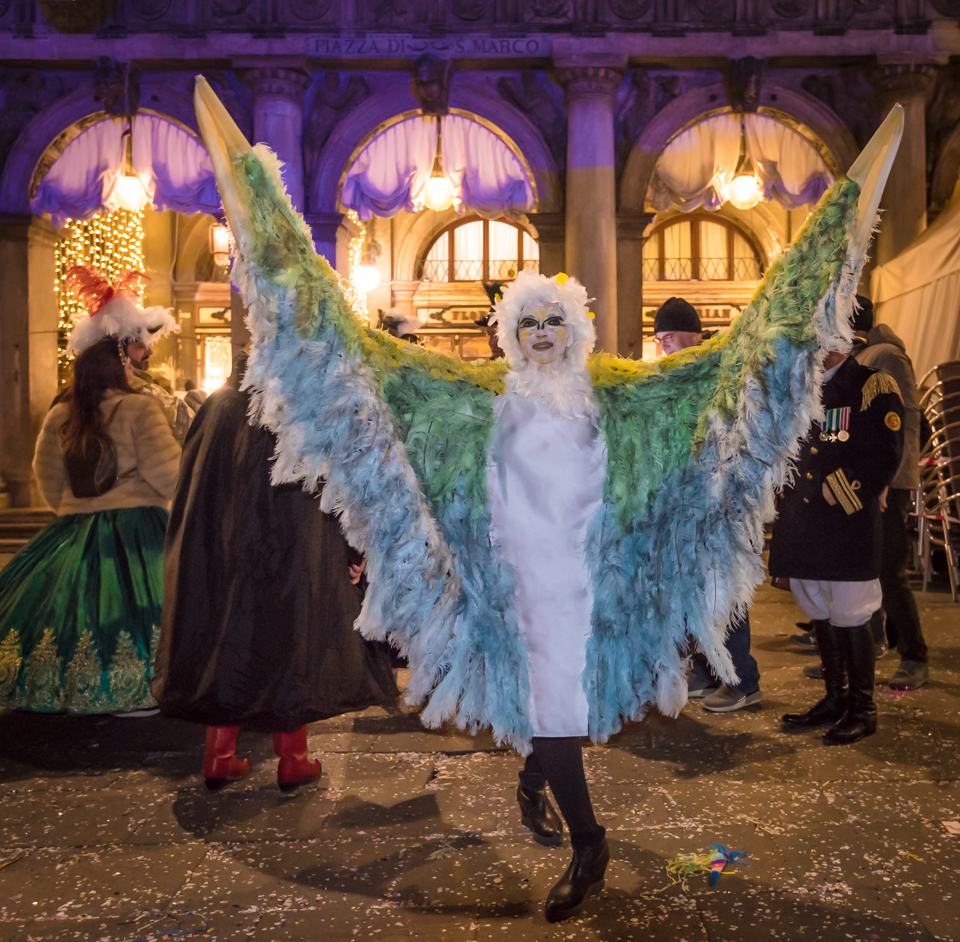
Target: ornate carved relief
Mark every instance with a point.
(225, 8)
(390, 12)
(630, 9)
(646, 96)
(28, 92)
(742, 79)
(117, 85)
(715, 10)
(850, 96)
(77, 16)
(430, 83)
(4, 6)
(548, 10)
(148, 9)
(469, 9)
(533, 98)
(946, 7)
(309, 10)
(590, 82)
(331, 104)
(236, 98)
(790, 9)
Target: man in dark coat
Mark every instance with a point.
(257, 626)
(826, 538)
(879, 347)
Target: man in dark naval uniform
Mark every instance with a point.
(827, 537)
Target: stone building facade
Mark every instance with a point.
(588, 92)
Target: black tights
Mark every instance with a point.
(559, 762)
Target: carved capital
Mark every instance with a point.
(275, 82)
(551, 227)
(631, 226)
(590, 81)
(903, 79)
(324, 226)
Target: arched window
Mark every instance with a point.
(700, 247)
(480, 250)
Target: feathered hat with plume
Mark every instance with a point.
(114, 310)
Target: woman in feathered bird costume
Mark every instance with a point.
(544, 536)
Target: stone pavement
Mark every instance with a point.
(415, 833)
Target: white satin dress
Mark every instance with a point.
(545, 480)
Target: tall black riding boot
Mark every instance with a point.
(536, 812)
(860, 718)
(832, 707)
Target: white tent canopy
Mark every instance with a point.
(918, 293)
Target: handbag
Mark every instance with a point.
(92, 467)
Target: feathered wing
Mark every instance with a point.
(697, 446)
(397, 434)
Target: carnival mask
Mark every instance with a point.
(542, 334)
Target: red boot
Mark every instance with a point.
(295, 767)
(220, 762)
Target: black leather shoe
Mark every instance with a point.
(583, 879)
(537, 814)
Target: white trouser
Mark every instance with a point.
(844, 604)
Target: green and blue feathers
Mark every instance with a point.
(697, 443)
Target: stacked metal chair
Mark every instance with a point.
(938, 496)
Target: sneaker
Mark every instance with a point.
(814, 671)
(909, 676)
(698, 689)
(728, 699)
(806, 642)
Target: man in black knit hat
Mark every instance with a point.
(677, 326)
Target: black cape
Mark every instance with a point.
(258, 609)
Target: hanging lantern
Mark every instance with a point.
(366, 276)
(220, 239)
(745, 189)
(438, 191)
(129, 189)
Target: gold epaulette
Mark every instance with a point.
(877, 385)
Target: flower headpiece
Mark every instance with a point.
(113, 309)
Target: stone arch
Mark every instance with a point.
(686, 109)
(381, 107)
(946, 171)
(72, 109)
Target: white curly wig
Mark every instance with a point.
(565, 383)
(124, 319)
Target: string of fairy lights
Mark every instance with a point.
(356, 298)
(110, 242)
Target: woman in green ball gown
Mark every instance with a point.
(80, 603)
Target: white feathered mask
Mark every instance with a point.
(532, 292)
(113, 310)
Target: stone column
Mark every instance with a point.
(278, 120)
(630, 230)
(905, 196)
(324, 227)
(28, 346)
(551, 237)
(591, 200)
